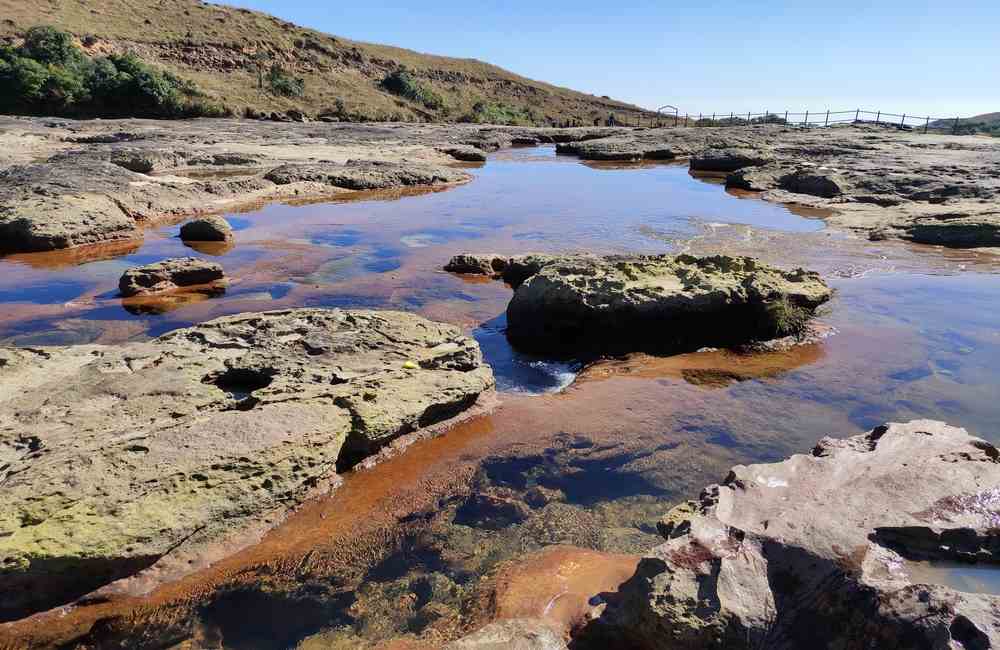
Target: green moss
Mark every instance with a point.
(782, 317)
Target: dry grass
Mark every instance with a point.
(214, 46)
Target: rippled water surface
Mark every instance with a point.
(589, 457)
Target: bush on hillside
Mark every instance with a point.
(405, 85)
(500, 113)
(282, 83)
(49, 75)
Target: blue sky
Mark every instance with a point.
(939, 58)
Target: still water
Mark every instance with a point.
(583, 456)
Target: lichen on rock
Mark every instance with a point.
(585, 304)
(143, 450)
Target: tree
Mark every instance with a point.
(49, 45)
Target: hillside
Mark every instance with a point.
(223, 50)
(988, 123)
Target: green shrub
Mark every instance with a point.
(49, 45)
(284, 84)
(49, 75)
(405, 85)
(500, 113)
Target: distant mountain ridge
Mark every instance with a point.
(228, 52)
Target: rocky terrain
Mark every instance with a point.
(932, 189)
(816, 551)
(66, 184)
(118, 460)
(821, 551)
(584, 304)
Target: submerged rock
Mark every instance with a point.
(142, 453)
(813, 551)
(169, 275)
(209, 228)
(588, 304)
(511, 634)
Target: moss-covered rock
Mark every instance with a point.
(113, 458)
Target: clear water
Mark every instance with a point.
(589, 457)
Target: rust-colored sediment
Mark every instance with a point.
(69, 257)
(352, 528)
(560, 585)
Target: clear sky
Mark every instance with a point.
(940, 58)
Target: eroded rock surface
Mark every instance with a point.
(811, 551)
(141, 452)
(587, 304)
(169, 275)
(365, 174)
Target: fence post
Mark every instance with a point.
(748, 119)
(927, 123)
(954, 129)
(857, 114)
(685, 119)
(805, 122)
(877, 116)
(786, 118)
(731, 122)
(902, 121)
(827, 122)
(713, 119)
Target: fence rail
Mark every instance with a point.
(806, 119)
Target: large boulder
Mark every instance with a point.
(116, 459)
(583, 305)
(169, 275)
(210, 228)
(823, 550)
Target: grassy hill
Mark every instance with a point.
(229, 54)
(988, 123)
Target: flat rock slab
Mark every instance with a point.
(169, 275)
(582, 305)
(115, 458)
(365, 174)
(812, 551)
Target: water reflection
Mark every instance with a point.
(409, 547)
